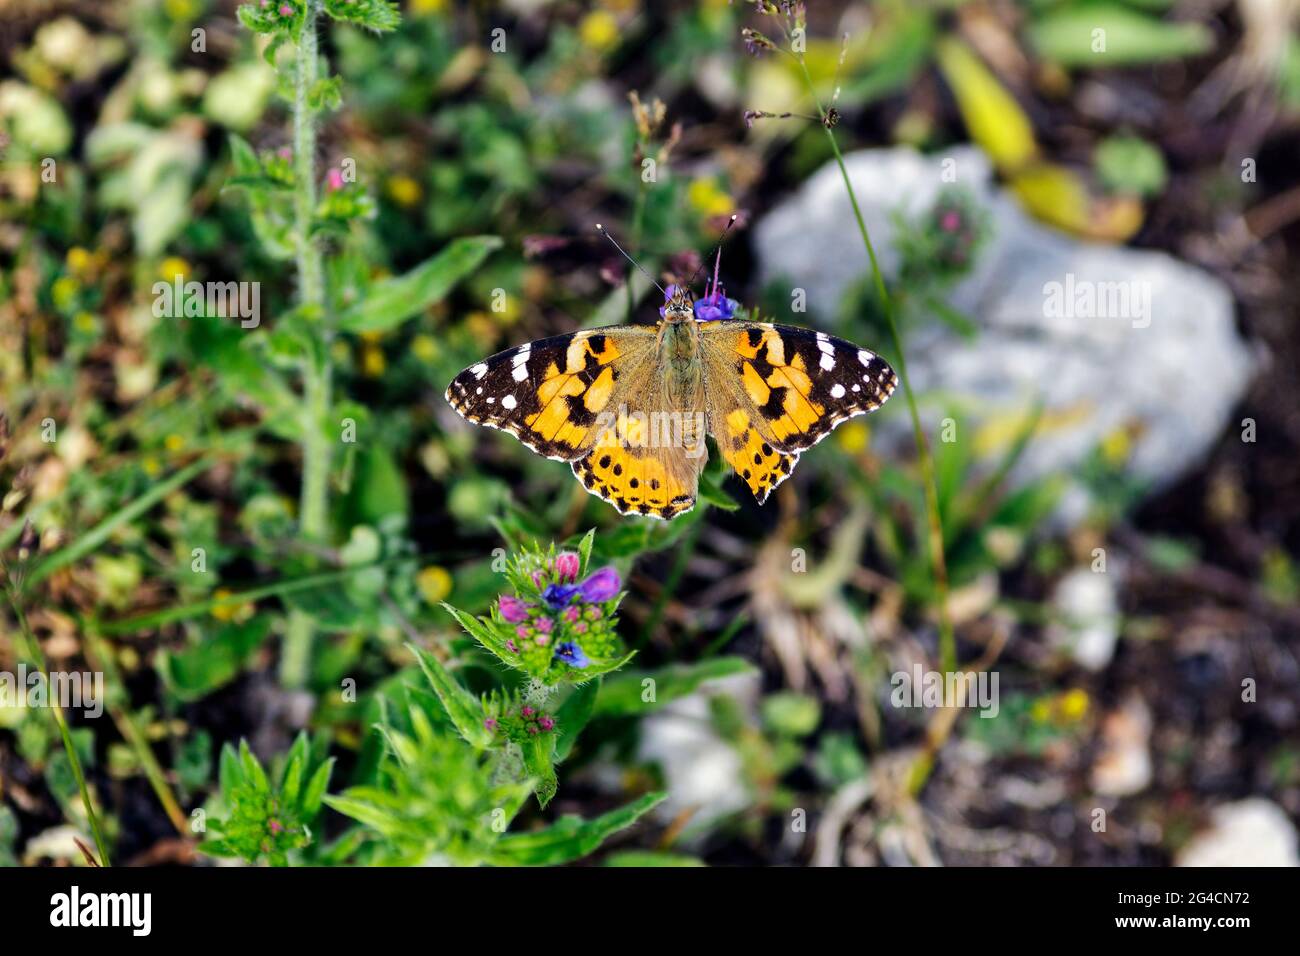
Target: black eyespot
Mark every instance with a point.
(767, 449)
(604, 461)
(634, 483)
(618, 470)
(758, 459)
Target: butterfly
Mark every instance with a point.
(628, 406)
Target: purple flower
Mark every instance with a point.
(544, 624)
(558, 595)
(513, 609)
(572, 613)
(601, 586)
(715, 308)
(571, 654)
(490, 723)
(547, 723)
(567, 565)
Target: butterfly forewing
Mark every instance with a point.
(550, 394)
(775, 390)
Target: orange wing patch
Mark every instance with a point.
(635, 481)
(757, 463)
(570, 400)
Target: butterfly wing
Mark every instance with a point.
(553, 394)
(776, 390)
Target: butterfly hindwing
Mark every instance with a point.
(550, 393)
(776, 390)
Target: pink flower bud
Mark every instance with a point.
(567, 565)
(512, 609)
(334, 180)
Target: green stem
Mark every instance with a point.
(34, 652)
(317, 372)
(947, 640)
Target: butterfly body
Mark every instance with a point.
(629, 406)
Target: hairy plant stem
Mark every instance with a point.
(947, 640)
(33, 650)
(317, 373)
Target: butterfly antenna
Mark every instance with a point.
(717, 264)
(601, 229)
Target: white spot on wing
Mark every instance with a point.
(828, 360)
(837, 390)
(508, 402)
(865, 357)
(479, 370)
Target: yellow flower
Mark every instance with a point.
(224, 609)
(1074, 705)
(151, 467)
(434, 583)
(424, 348)
(404, 190)
(339, 351)
(172, 267)
(78, 259)
(173, 442)
(1115, 447)
(598, 30)
(64, 291)
(1041, 711)
(182, 11)
(372, 361)
(84, 321)
(708, 198)
(427, 6)
(854, 437)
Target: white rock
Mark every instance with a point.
(1089, 612)
(702, 771)
(1251, 832)
(1172, 367)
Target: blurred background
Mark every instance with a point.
(1086, 212)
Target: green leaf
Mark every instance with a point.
(390, 302)
(573, 715)
(711, 492)
(642, 858)
(315, 790)
(462, 707)
(231, 775)
(92, 539)
(622, 694)
(213, 662)
(570, 837)
(538, 754)
(584, 551)
(243, 158)
(481, 633)
(254, 775)
(1068, 36)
